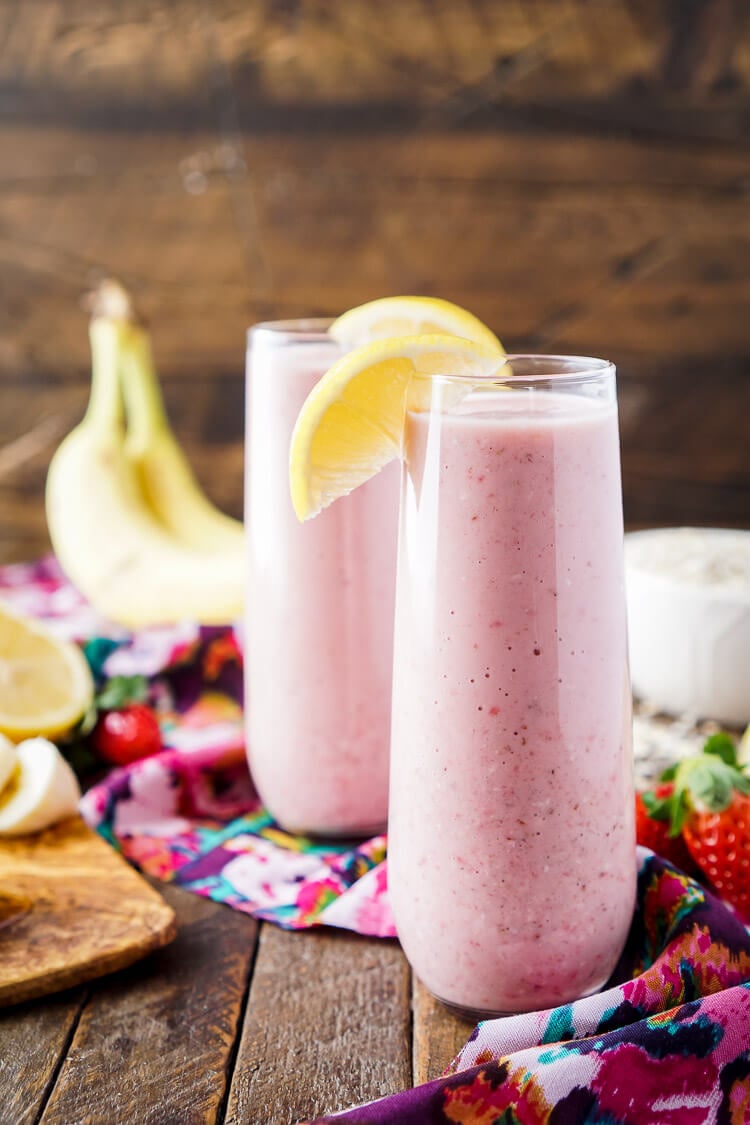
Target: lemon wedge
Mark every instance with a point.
(45, 683)
(409, 316)
(351, 424)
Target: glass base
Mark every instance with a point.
(475, 1015)
(338, 834)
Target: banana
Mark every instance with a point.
(108, 541)
(8, 759)
(166, 479)
(42, 790)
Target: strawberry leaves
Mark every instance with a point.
(120, 691)
(706, 783)
(673, 808)
(723, 747)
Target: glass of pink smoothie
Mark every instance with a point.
(319, 621)
(511, 860)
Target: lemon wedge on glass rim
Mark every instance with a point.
(351, 424)
(409, 316)
(45, 683)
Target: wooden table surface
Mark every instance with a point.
(236, 1021)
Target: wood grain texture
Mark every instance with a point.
(607, 245)
(438, 1034)
(576, 174)
(13, 907)
(327, 1026)
(90, 914)
(33, 1041)
(155, 1045)
(655, 63)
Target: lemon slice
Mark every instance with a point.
(409, 316)
(351, 424)
(45, 683)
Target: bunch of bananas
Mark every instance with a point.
(128, 521)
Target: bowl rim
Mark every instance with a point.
(732, 595)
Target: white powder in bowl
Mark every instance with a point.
(702, 556)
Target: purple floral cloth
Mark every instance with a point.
(670, 1045)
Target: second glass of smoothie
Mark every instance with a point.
(511, 861)
(319, 621)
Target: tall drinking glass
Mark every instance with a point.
(319, 623)
(511, 836)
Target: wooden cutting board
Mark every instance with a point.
(71, 909)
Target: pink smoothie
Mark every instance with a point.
(319, 618)
(512, 846)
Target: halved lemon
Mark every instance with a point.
(409, 316)
(351, 424)
(45, 683)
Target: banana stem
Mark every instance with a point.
(140, 387)
(104, 410)
(124, 367)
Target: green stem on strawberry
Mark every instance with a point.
(120, 691)
(705, 783)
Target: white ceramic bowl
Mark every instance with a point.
(688, 592)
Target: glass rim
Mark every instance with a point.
(301, 330)
(558, 368)
(553, 370)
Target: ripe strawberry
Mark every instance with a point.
(719, 842)
(654, 834)
(126, 729)
(124, 736)
(710, 805)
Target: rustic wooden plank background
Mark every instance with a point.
(577, 173)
